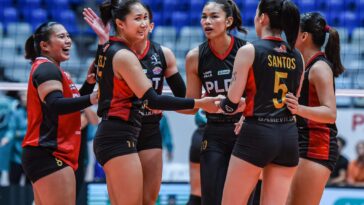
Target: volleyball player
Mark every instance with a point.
(316, 109)
(268, 143)
(210, 66)
(122, 81)
(158, 63)
(52, 141)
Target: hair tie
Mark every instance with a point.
(327, 28)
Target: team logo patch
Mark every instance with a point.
(281, 49)
(229, 109)
(157, 70)
(223, 72)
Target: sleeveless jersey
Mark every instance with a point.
(318, 133)
(61, 134)
(275, 71)
(154, 66)
(116, 99)
(215, 71)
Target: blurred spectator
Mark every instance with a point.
(167, 140)
(7, 108)
(89, 121)
(356, 167)
(338, 176)
(19, 126)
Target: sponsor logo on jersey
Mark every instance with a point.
(157, 70)
(223, 72)
(207, 74)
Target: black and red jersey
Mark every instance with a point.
(154, 66)
(276, 70)
(61, 134)
(215, 70)
(116, 99)
(318, 133)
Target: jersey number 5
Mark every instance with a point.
(278, 86)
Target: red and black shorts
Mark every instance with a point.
(150, 137)
(39, 162)
(268, 140)
(322, 150)
(115, 137)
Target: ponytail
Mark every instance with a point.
(283, 16)
(30, 50)
(315, 24)
(238, 22)
(290, 22)
(332, 51)
(105, 12)
(231, 9)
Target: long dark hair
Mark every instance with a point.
(149, 10)
(231, 9)
(284, 16)
(315, 24)
(116, 9)
(42, 33)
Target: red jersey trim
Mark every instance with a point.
(227, 52)
(250, 90)
(272, 38)
(320, 53)
(145, 51)
(114, 38)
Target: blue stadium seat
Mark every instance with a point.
(307, 5)
(57, 4)
(19, 32)
(169, 6)
(250, 5)
(9, 15)
(349, 20)
(335, 5)
(196, 6)
(5, 4)
(157, 18)
(180, 19)
(165, 35)
(248, 17)
(1, 31)
(68, 19)
(195, 18)
(37, 17)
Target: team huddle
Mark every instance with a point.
(270, 105)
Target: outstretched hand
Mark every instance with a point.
(292, 103)
(95, 22)
(210, 104)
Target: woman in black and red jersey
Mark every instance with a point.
(210, 66)
(123, 88)
(265, 70)
(316, 109)
(158, 63)
(52, 141)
